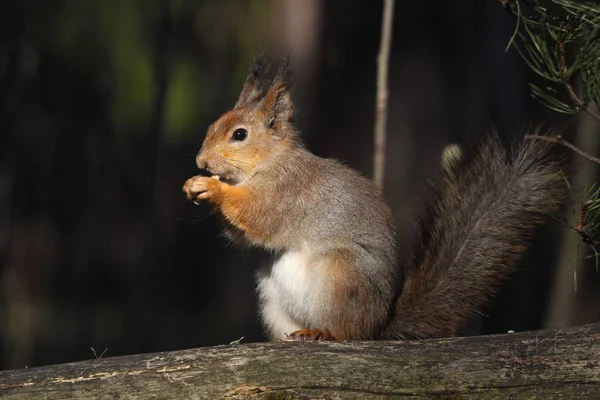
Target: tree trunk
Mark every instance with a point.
(544, 365)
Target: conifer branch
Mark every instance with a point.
(559, 140)
(560, 41)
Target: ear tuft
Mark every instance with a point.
(285, 74)
(277, 103)
(257, 80)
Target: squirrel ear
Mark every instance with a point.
(278, 103)
(257, 80)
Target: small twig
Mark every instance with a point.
(559, 140)
(382, 93)
(582, 105)
(96, 355)
(238, 341)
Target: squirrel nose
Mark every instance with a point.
(202, 162)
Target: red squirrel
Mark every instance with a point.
(336, 274)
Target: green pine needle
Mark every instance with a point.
(560, 42)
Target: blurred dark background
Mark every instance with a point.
(104, 104)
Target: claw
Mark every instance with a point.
(310, 335)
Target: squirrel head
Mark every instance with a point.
(258, 128)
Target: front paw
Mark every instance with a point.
(201, 188)
(310, 335)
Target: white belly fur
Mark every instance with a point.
(287, 294)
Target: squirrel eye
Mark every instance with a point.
(239, 134)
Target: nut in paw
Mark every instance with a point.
(201, 187)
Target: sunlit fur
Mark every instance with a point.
(335, 274)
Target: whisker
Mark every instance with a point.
(197, 218)
(239, 163)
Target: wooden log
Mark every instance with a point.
(563, 363)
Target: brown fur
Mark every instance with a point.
(336, 273)
(475, 235)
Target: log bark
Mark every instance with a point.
(563, 363)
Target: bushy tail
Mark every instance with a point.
(475, 236)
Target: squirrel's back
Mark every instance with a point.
(474, 236)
